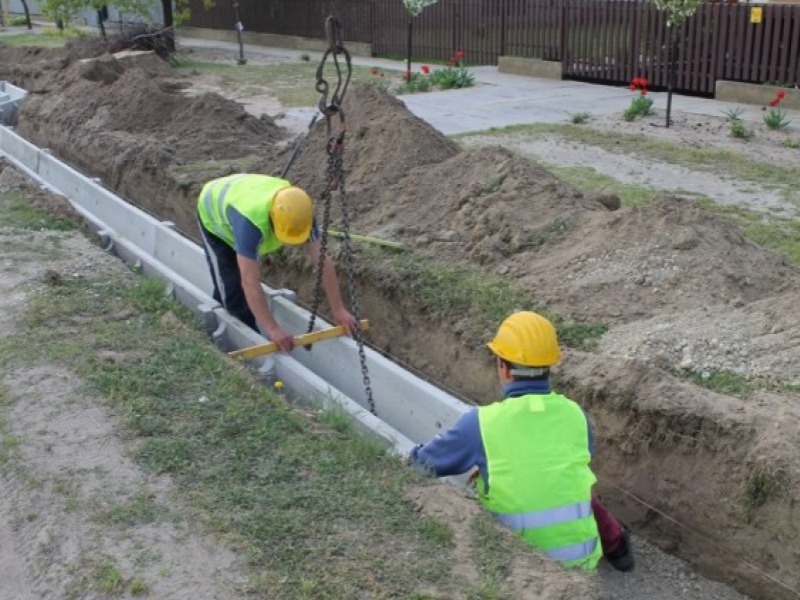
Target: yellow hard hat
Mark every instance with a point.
(527, 339)
(292, 214)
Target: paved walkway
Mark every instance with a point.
(499, 99)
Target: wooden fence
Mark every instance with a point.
(607, 41)
(616, 40)
(301, 18)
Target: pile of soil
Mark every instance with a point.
(698, 456)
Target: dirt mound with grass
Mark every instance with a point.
(125, 120)
(684, 296)
(383, 142)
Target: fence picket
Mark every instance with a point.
(609, 41)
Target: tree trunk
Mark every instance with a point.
(169, 20)
(671, 72)
(27, 14)
(408, 54)
(239, 28)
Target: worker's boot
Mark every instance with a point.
(621, 558)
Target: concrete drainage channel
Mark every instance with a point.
(409, 410)
(10, 98)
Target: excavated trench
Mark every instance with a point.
(724, 468)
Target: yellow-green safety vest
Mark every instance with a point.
(251, 195)
(539, 480)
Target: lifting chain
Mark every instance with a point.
(335, 128)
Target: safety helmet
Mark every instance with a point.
(292, 214)
(526, 339)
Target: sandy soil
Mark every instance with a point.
(681, 291)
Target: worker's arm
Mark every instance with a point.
(257, 301)
(330, 284)
(454, 452)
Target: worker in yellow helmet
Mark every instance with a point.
(243, 217)
(532, 452)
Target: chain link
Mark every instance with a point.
(331, 110)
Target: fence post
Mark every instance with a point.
(562, 33)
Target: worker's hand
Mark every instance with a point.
(281, 337)
(343, 317)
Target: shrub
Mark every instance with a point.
(454, 75)
(740, 130)
(776, 118)
(579, 118)
(641, 105)
(378, 79)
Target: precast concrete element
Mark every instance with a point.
(10, 98)
(409, 410)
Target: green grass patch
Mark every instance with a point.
(100, 575)
(16, 211)
(778, 234)
(763, 485)
(587, 179)
(9, 443)
(725, 382)
(47, 40)
(292, 84)
(720, 162)
(137, 510)
(493, 551)
(479, 300)
(317, 506)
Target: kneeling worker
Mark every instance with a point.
(243, 217)
(532, 451)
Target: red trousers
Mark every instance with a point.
(609, 528)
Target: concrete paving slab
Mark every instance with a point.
(501, 99)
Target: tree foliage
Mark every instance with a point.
(66, 10)
(414, 7)
(677, 11)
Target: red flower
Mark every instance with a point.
(460, 54)
(643, 92)
(774, 102)
(425, 69)
(374, 71)
(780, 95)
(452, 61)
(633, 87)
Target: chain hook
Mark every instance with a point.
(336, 127)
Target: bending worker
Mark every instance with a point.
(243, 217)
(532, 451)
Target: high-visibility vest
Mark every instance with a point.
(251, 195)
(539, 480)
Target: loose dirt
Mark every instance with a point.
(683, 294)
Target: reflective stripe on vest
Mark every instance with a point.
(538, 480)
(574, 552)
(543, 518)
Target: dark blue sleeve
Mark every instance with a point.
(314, 231)
(246, 236)
(454, 452)
(591, 434)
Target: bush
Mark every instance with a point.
(740, 130)
(641, 106)
(776, 118)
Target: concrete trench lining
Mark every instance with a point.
(409, 410)
(11, 97)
